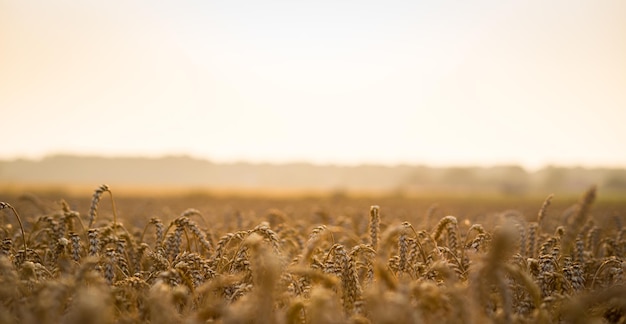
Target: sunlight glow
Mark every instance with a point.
(346, 82)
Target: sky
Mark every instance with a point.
(438, 83)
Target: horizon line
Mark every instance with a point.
(249, 161)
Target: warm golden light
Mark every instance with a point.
(350, 82)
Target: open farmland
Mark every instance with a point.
(104, 257)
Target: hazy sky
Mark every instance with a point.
(427, 82)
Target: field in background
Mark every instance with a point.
(168, 202)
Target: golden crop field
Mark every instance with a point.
(105, 257)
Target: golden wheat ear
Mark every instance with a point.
(374, 226)
(578, 220)
(4, 205)
(95, 200)
(544, 207)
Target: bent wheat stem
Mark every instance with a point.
(4, 205)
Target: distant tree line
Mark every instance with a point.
(186, 171)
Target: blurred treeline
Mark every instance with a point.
(186, 171)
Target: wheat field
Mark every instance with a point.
(109, 259)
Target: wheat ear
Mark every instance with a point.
(93, 209)
(577, 221)
(374, 226)
(542, 211)
(4, 205)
